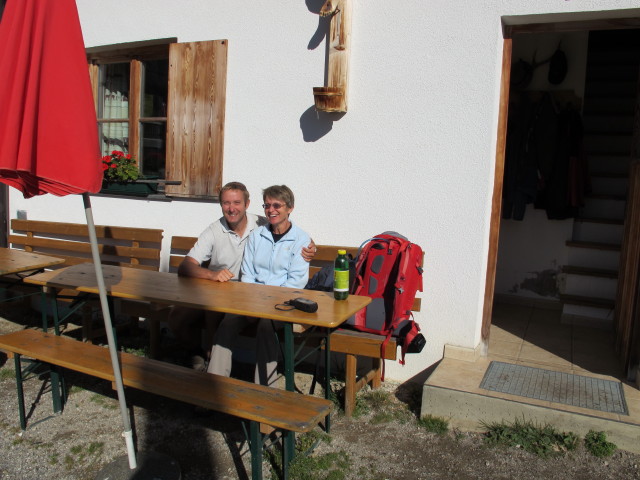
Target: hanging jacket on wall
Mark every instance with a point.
(567, 181)
(544, 159)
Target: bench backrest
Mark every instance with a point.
(123, 246)
(325, 255)
(180, 246)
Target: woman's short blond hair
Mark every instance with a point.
(279, 192)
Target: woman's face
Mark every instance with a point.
(276, 211)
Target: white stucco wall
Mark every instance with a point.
(415, 153)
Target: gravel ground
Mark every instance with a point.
(382, 443)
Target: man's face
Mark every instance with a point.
(234, 208)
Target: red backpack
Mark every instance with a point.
(388, 269)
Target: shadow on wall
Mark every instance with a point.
(316, 124)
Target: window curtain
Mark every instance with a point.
(115, 105)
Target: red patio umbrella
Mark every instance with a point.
(48, 133)
(48, 127)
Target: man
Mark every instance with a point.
(222, 245)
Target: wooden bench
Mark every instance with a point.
(346, 341)
(123, 246)
(283, 410)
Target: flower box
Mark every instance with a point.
(136, 189)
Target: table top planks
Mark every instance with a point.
(17, 261)
(227, 297)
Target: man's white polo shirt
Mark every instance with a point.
(222, 246)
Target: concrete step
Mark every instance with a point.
(593, 255)
(587, 311)
(604, 206)
(608, 144)
(623, 87)
(606, 71)
(452, 392)
(609, 163)
(607, 104)
(613, 57)
(588, 284)
(609, 184)
(598, 230)
(588, 316)
(607, 123)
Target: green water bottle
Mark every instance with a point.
(341, 276)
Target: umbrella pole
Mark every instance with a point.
(128, 434)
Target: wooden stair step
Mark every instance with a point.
(594, 245)
(606, 196)
(608, 221)
(587, 301)
(616, 175)
(588, 271)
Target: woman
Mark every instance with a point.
(272, 255)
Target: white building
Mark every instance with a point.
(415, 153)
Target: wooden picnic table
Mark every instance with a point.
(237, 298)
(19, 261)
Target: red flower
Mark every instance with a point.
(120, 167)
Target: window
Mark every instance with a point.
(164, 102)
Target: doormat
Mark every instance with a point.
(559, 387)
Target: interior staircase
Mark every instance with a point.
(589, 281)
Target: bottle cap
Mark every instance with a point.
(342, 252)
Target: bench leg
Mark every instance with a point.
(327, 375)
(19, 380)
(43, 307)
(350, 384)
(376, 381)
(154, 335)
(57, 385)
(289, 439)
(87, 323)
(288, 451)
(256, 451)
(56, 313)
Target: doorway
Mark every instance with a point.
(531, 262)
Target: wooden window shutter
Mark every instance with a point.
(93, 78)
(195, 117)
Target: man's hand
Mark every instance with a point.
(309, 252)
(221, 275)
(189, 267)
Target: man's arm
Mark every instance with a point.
(298, 274)
(309, 252)
(189, 267)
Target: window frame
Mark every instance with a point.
(194, 128)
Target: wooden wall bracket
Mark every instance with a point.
(333, 96)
